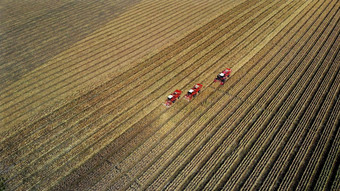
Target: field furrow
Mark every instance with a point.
(318, 142)
(295, 116)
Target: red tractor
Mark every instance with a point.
(172, 98)
(193, 91)
(223, 76)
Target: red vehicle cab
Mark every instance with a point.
(193, 91)
(172, 98)
(223, 76)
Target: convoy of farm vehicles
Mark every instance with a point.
(193, 92)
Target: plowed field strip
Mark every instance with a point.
(50, 22)
(40, 55)
(318, 141)
(329, 160)
(54, 90)
(321, 104)
(18, 14)
(260, 146)
(314, 167)
(216, 178)
(206, 137)
(296, 114)
(36, 18)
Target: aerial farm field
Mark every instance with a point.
(83, 85)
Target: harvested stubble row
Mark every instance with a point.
(105, 137)
(328, 156)
(76, 76)
(259, 154)
(289, 120)
(314, 116)
(261, 167)
(71, 115)
(276, 119)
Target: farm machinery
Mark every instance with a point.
(225, 74)
(193, 92)
(172, 98)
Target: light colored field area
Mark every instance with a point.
(83, 85)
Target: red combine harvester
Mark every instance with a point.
(223, 76)
(172, 98)
(193, 91)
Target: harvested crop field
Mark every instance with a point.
(83, 85)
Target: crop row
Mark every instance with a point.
(312, 117)
(329, 152)
(241, 152)
(290, 120)
(277, 120)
